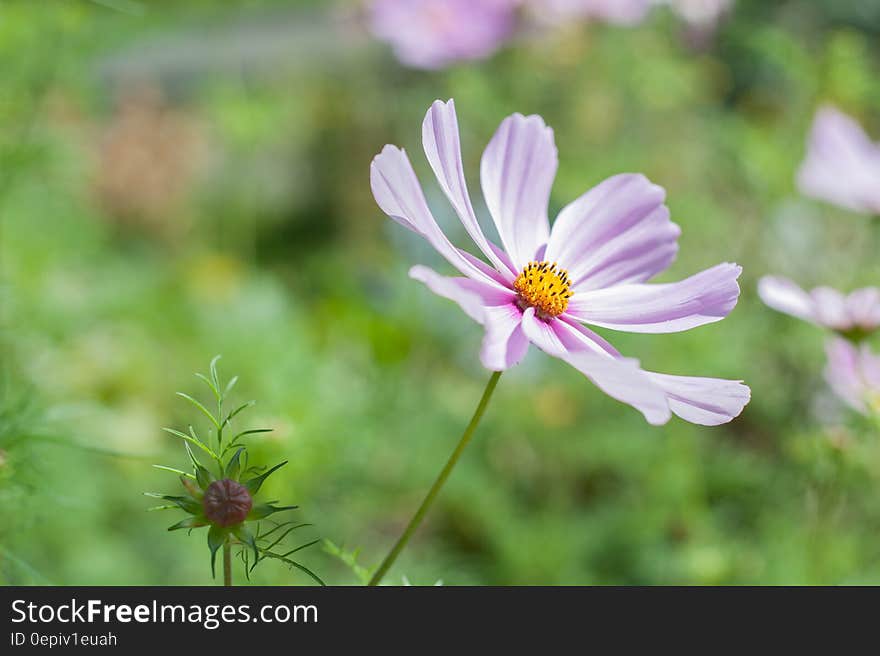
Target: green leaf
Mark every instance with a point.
(192, 440)
(293, 563)
(278, 527)
(283, 535)
(252, 431)
(175, 471)
(243, 406)
(216, 538)
(189, 522)
(198, 405)
(188, 504)
(203, 476)
(207, 382)
(192, 489)
(230, 385)
(254, 484)
(234, 466)
(245, 536)
(263, 510)
(213, 369)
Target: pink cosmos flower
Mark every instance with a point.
(432, 34)
(855, 314)
(619, 12)
(842, 165)
(544, 284)
(853, 372)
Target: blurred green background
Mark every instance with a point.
(182, 179)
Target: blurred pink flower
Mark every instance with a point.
(433, 34)
(842, 165)
(619, 12)
(853, 372)
(544, 283)
(854, 314)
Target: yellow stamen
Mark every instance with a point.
(545, 287)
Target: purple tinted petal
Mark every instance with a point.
(844, 373)
(432, 34)
(785, 296)
(397, 191)
(471, 295)
(618, 232)
(440, 139)
(829, 308)
(842, 164)
(516, 173)
(576, 337)
(619, 378)
(703, 298)
(704, 401)
(863, 308)
(504, 343)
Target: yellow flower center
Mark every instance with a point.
(545, 287)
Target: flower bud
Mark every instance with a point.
(227, 502)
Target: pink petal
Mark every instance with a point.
(619, 378)
(504, 343)
(440, 139)
(517, 172)
(397, 191)
(863, 307)
(618, 232)
(785, 296)
(703, 298)
(829, 308)
(842, 164)
(843, 373)
(853, 373)
(471, 295)
(704, 401)
(434, 34)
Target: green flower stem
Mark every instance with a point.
(227, 563)
(438, 484)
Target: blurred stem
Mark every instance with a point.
(438, 484)
(227, 563)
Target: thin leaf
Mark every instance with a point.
(189, 522)
(280, 538)
(233, 467)
(192, 440)
(293, 563)
(216, 538)
(254, 484)
(244, 535)
(184, 503)
(174, 471)
(204, 410)
(207, 382)
(263, 510)
(230, 385)
(278, 527)
(300, 548)
(213, 368)
(204, 477)
(232, 414)
(192, 489)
